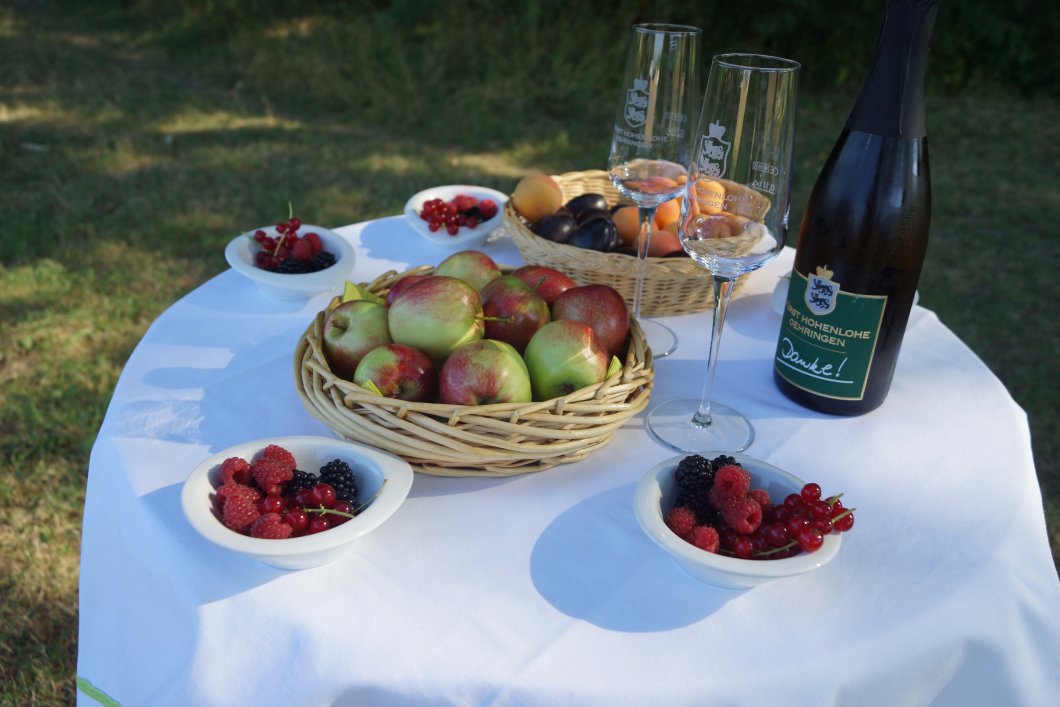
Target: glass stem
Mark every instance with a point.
(647, 215)
(722, 290)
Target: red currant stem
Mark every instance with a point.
(321, 510)
(290, 211)
(846, 512)
(279, 244)
(832, 499)
(775, 550)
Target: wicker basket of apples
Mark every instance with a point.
(469, 368)
(578, 224)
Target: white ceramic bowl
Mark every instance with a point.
(465, 237)
(242, 249)
(370, 466)
(657, 491)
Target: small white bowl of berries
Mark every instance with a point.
(294, 502)
(292, 260)
(458, 215)
(737, 522)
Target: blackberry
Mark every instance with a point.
(320, 261)
(706, 514)
(292, 266)
(340, 476)
(301, 480)
(720, 461)
(696, 474)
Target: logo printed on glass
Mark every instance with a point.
(821, 291)
(714, 151)
(637, 103)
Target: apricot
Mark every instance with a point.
(663, 243)
(668, 212)
(536, 196)
(627, 222)
(710, 196)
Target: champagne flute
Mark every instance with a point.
(650, 144)
(734, 219)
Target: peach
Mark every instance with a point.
(536, 196)
(627, 223)
(663, 243)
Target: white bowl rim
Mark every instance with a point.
(397, 473)
(240, 257)
(465, 237)
(649, 515)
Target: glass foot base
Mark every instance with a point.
(670, 423)
(660, 338)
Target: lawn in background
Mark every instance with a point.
(130, 153)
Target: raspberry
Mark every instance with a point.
(240, 511)
(730, 481)
(705, 538)
(302, 250)
(681, 520)
(271, 474)
(271, 527)
(487, 208)
(277, 453)
(743, 515)
(235, 470)
(464, 202)
(761, 496)
(234, 489)
(314, 242)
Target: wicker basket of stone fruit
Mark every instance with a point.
(578, 224)
(469, 368)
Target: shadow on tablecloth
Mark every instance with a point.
(594, 563)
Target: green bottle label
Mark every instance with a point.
(828, 336)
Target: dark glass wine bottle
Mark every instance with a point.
(864, 233)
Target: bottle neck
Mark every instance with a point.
(891, 102)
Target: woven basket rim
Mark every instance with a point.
(500, 439)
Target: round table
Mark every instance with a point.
(541, 589)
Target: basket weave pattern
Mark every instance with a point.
(503, 439)
(672, 286)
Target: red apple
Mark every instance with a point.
(400, 286)
(602, 308)
(399, 371)
(472, 266)
(437, 315)
(482, 373)
(546, 281)
(563, 356)
(513, 311)
(351, 330)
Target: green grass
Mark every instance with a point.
(129, 155)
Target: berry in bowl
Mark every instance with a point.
(456, 215)
(737, 522)
(294, 502)
(292, 260)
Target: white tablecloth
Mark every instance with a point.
(541, 589)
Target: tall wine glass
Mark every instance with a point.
(650, 145)
(734, 218)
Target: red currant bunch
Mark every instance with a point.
(462, 211)
(290, 252)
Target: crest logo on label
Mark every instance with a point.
(821, 291)
(637, 103)
(714, 151)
